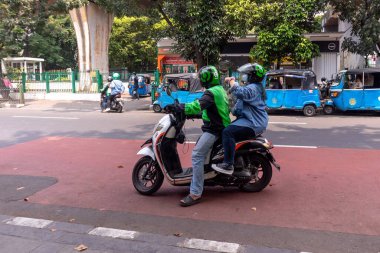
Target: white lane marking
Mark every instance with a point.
(40, 117)
(114, 233)
(293, 146)
(289, 123)
(200, 244)
(29, 222)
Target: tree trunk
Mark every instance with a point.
(278, 65)
(200, 60)
(92, 28)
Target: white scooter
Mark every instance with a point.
(253, 159)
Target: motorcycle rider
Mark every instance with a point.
(251, 121)
(117, 88)
(323, 87)
(215, 114)
(135, 86)
(105, 94)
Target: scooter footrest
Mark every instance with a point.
(186, 172)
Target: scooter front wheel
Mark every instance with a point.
(147, 176)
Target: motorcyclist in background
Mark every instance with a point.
(105, 94)
(117, 88)
(323, 87)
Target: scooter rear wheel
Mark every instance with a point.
(261, 174)
(147, 177)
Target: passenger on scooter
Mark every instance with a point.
(215, 114)
(117, 88)
(105, 94)
(253, 119)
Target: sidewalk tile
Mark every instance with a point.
(16, 244)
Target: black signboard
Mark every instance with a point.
(245, 47)
(328, 46)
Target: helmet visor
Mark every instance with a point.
(243, 78)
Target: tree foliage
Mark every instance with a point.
(55, 42)
(133, 42)
(29, 28)
(364, 16)
(19, 19)
(201, 28)
(280, 26)
(118, 7)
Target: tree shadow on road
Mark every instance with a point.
(138, 132)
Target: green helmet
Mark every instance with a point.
(116, 76)
(251, 73)
(209, 76)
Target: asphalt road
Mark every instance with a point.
(83, 119)
(72, 163)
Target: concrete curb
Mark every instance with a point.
(98, 238)
(63, 96)
(9, 105)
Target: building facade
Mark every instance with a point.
(236, 53)
(331, 60)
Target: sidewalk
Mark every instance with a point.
(20, 234)
(74, 101)
(63, 96)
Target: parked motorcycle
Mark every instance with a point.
(253, 160)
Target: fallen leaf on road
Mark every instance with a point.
(253, 208)
(120, 166)
(81, 247)
(26, 199)
(178, 234)
(20, 188)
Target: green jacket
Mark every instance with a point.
(214, 107)
(106, 90)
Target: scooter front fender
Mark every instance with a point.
(147, 151)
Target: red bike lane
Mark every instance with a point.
(319, 189)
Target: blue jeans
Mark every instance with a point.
(104, 102)
(200, 152)
(231, 135)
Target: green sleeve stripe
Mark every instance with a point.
(221, 102)
(192, 108)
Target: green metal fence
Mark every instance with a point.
(66, 82)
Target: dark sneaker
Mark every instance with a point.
(224, 168)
